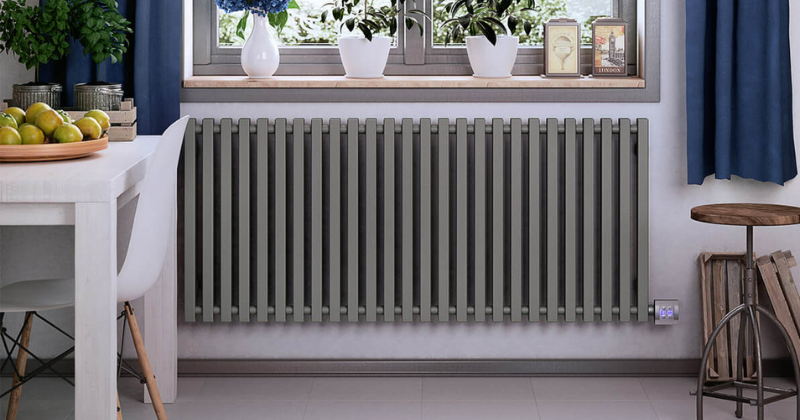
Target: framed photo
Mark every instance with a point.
(562, 45)
(608, 50)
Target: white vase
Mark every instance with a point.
(260, 56)
(492, 61)
(363, 59)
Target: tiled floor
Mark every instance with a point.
(407, 399)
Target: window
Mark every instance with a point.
(310, 50)
(303, 29)
(309, 47)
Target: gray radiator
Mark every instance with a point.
(402, 221)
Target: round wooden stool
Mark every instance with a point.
(748, 215)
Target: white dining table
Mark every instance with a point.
(87, 193)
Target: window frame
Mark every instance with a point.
(417, 57)
(411, 55)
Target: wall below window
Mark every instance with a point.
(675, 243)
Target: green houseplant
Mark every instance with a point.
(37, 36)
(103, 33)
(478, 22)
(365, 56)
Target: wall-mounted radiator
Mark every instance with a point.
(396, 220)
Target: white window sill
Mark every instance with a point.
(414, 82)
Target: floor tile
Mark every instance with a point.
(189, 388)
(461, 410)
(216, 410)
(39, 389)
(713, 409)
(363, 410)
(784, 410)
(250, 389)
(367, 389)
(596, 410)
(474, 389)
(235, 410)
(39, 410)
(588, 389)
(669, 388)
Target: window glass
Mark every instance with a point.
(303, 28)
(584, 11)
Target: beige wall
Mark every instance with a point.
(12, 72)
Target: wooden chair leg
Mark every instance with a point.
(144, 362)
(119, 409)
(22, 361)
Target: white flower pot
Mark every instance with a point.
(363, 59)
(492, 61)
(260, 57)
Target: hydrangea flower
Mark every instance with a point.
(258, 7)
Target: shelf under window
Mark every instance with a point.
(414, 82)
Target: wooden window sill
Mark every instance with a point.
(413, 82)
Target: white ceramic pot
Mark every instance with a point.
(260, 57)
(363, 59)
(492, 61)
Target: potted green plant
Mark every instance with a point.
(37, 36)
(478, 22)
(103, 33)
(365, 56)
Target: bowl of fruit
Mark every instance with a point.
(41, 133)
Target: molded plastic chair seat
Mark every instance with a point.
(37, 295)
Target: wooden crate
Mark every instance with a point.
(782, 291)
(123, 122)
(721, 290)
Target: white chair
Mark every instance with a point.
(145, 257)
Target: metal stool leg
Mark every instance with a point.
(741, 369)
(792, 352)
(701, 378)
(758, 356)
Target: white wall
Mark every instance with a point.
(12, 72)
(675, 243)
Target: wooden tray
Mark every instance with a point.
(52, 151)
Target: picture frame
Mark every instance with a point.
(562, 48)
(609, 50)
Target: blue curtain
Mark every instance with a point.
(739, 90)
(151, 70)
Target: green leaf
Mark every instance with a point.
(293, 5)
(338, 13)
(241, 26)
(464, 21)
(351, 24)
(527, 26)
(494, 21)
(487, 31)
(365, 30)
(512, 23)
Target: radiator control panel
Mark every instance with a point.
(667, 312)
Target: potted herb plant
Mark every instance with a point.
(260, 55)
(37, 36)
(365, 56)
(103, 33)
(478, 21)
